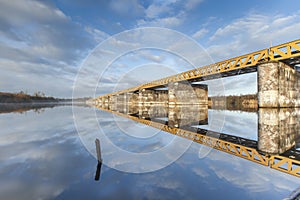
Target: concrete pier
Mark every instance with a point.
(178, 93)
(151, 96)
(184, 93)
(278, 85)
(122, 102)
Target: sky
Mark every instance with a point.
(44, 44)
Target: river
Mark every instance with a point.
(49, 154)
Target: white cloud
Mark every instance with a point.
(190, 4)
(168, 22)
(168, 14)
(155, 11)
(254, 32)
(98, 35)
(248, 34)
(200, 33)
(40, 44)
(25, 11)
(32, 77)
(127, 7)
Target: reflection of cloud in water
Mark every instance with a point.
(200, 172)
(242, 124)
(237, 172)
(34, 150)
(218, 170)
(251, 176)
(46, 160)
(31, 126)
(127, 153)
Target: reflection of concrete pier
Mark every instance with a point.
(152, 112)
(181, 116)
(278, 130)
(178, 116)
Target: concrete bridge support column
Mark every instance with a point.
(278, 85)
(162, 97)
(146, 96)
(277, 130)
(150, 96)
(201, 91)
(184, 93)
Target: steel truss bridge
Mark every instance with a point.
(288, 53)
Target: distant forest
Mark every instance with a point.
(37, 97)
(232, 102)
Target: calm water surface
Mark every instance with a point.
(43, 157)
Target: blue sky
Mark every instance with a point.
(44, 43)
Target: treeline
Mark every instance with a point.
(37, 97)
(233, 102)
(22, 97)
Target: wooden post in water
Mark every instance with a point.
(98, 150)
(99, 158)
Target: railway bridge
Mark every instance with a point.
(277, 75)
(278, 82)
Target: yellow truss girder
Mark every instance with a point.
(285, 51)
(285, 164)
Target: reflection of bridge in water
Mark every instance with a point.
(178, 103)
(278, 133)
